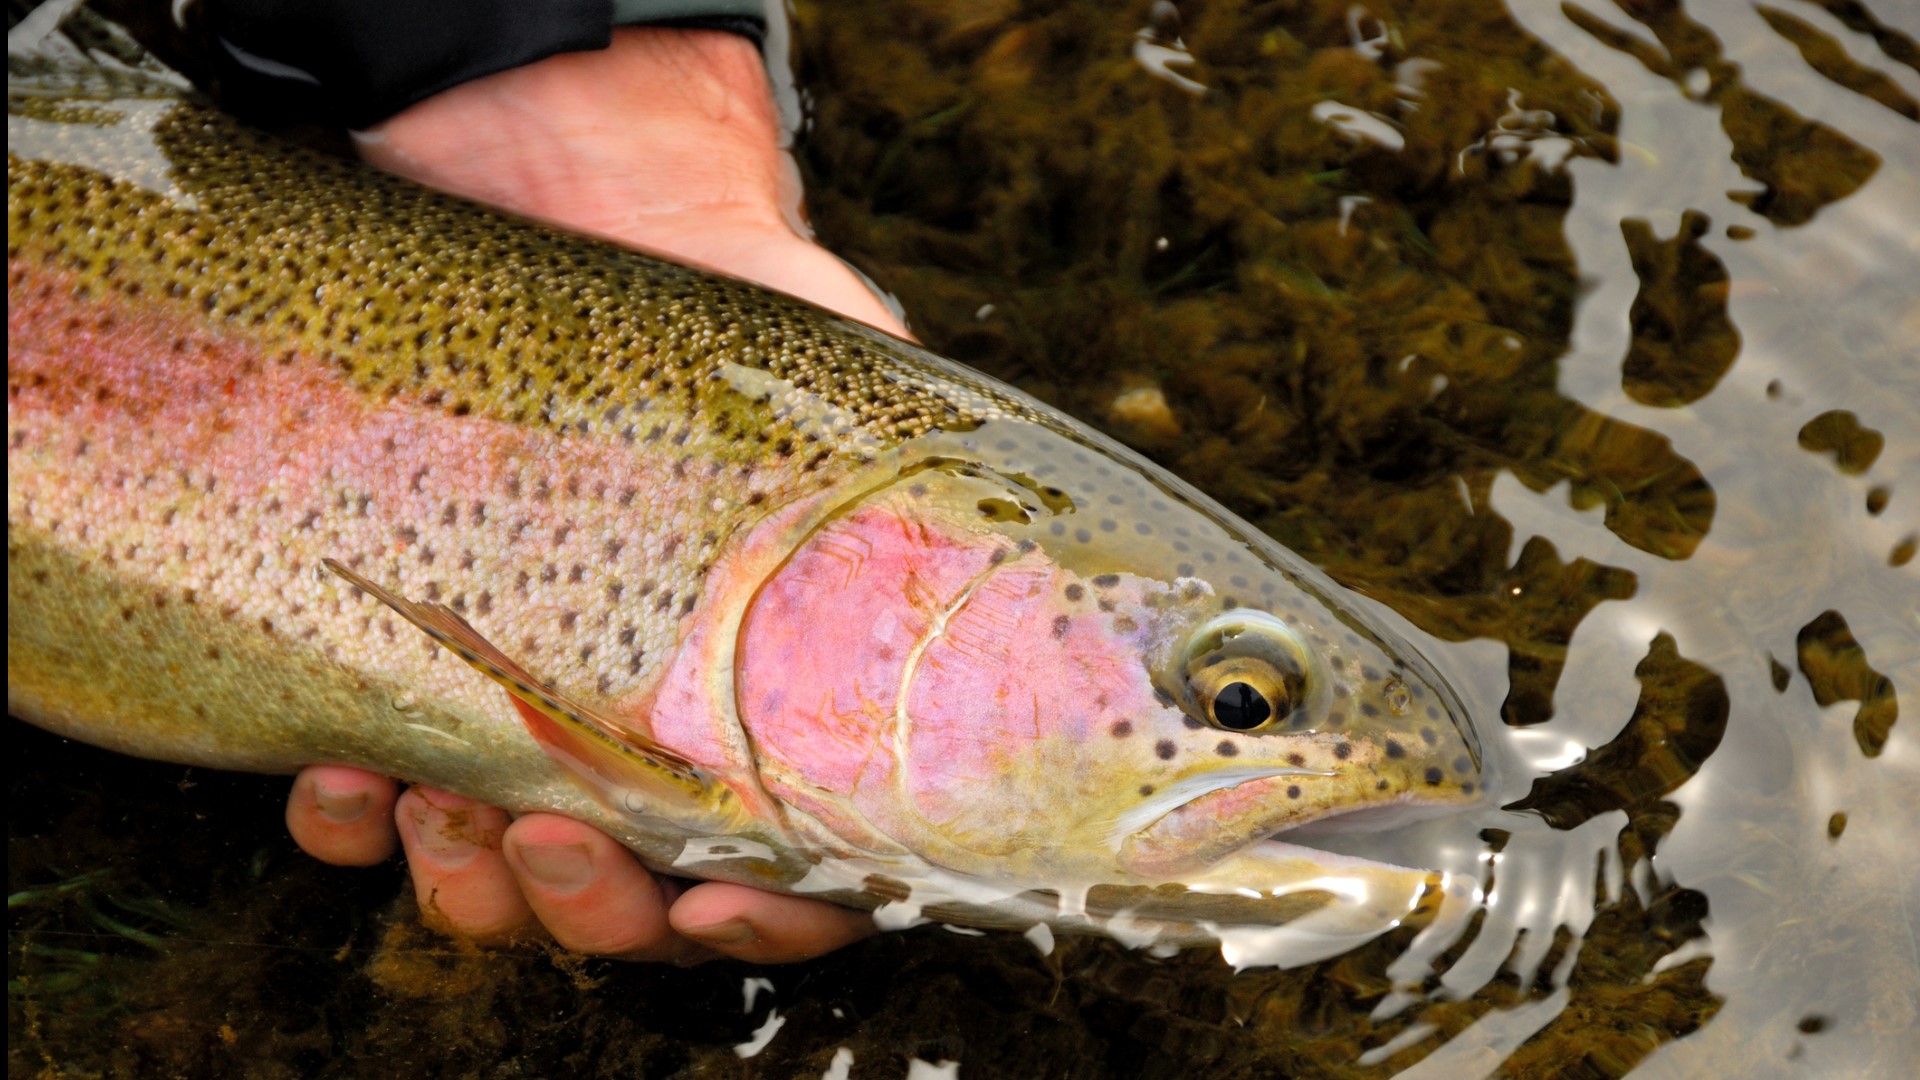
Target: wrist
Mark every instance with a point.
(662, 124)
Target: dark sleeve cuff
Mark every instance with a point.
(358, 62)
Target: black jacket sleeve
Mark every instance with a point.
(357, 62)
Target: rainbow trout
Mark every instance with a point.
(308, 464)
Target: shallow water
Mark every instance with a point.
(1582, 336)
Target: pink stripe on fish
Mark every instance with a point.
(220, 467)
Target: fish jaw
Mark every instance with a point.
(1198, 833)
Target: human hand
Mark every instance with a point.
(666, 141)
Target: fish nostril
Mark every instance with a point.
(1396, 696)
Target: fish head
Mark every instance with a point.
(1007, 659)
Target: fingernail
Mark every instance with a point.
(567, 867)
(442, 835)
(730, 932)
(339, 807)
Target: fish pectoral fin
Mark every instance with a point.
(629, 771)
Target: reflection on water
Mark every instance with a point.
(1600, 370)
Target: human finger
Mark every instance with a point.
(342, 815)
(462, 880)
(591, 894)
(762, 927)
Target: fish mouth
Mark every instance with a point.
(1340, 898)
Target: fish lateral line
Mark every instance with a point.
(614, 760)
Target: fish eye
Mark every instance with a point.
(1244, 671)
(1241, 707)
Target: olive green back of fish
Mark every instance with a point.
(452, 304)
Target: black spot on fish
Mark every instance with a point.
(1164, 749)
(1461, 764)
(1121, 729)
(1296, 760)
(1226, 748)
(1369, 709)
(1083, 535)
(1394, 749)
(1145, 790)
(1433, 776)
(1342, 750)
(1075, 592)
(1060, 625)
(1107, 581)
(1163, 697)
(1192, 722)
(1293, 791)
(1427, 736)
